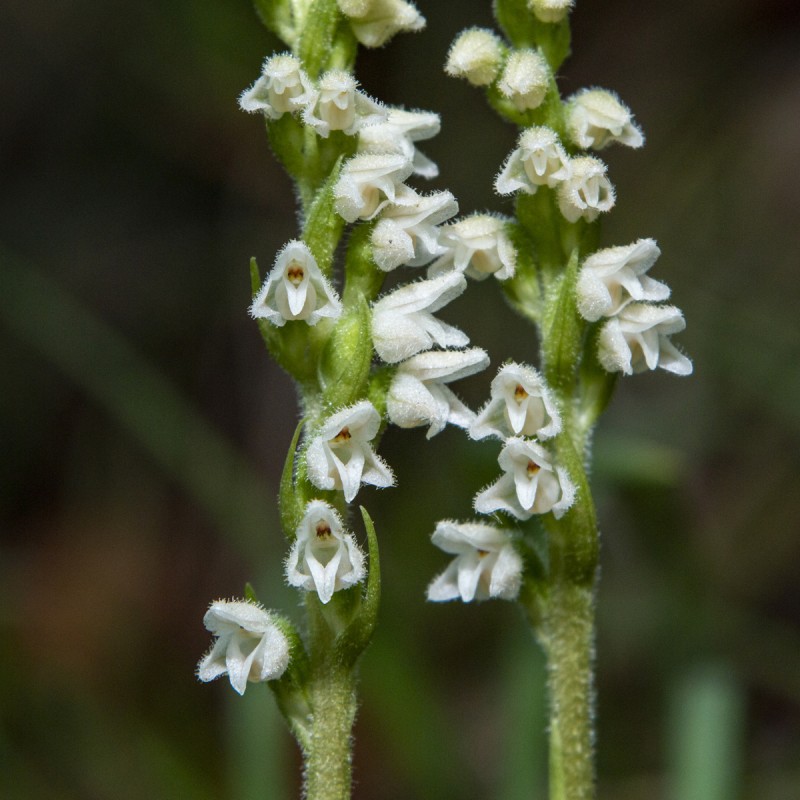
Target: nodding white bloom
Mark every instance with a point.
(403, 323)
(418, 395)
(478, 246)
(283, 87)
(340, 455)
(520, 405)
(376, 21)
(337, 105)
(610, 279)
(295, 289)
(539, 160)
(407, 234)
(597, 118)
(486, 564)
(531, 483)
(324, 558)
(551, 10)
(525, 79)
(249, 645)
(397, 135)
(587, 191)
(476, 55)
(369, 182)
(637, 339)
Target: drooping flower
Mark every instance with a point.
(337, 105)
(340, 455)
(486, 564)
(249, 645)
(407, 234)
(551, 10)
(525, 79)
(587, 191)
(283, 87)
(376, 21)
(478, 246)
(418, 394)
(610, 279)
(476, 55)
(532, 484)
(397, 135)
(597, 118)
(538, 160)
(403, 323)
(369, 182)
(520, 405)
(324, 557)
(295, 289)
(637, 339)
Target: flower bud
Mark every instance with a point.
(551, 10)
(475, 55)
(524, 80)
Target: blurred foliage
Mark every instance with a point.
(142, 427)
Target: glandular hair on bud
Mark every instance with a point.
(551, 10)
(525, 79)
(475, 55)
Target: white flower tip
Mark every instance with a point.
(551, 10)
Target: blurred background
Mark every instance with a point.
(143, 426)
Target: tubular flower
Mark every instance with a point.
(539, 160)
(295, 289)
(486, 564)
(418, 394)
(478, 246)
(283, 87)
(324, 558)
(587, 191)
(249, 645)
(520, 405)
(403, 323)
(610, 279)
(337, 105)
(597, 118)
(531, 483)
(369, 182)
(340, 455)
(637, 339)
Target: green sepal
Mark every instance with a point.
(291, 689)
(291, 497)
(523, 290)
(563, 331)
(250, 594)
(277, 17)
(287, 138)
(363, 278)
(345, 362)
(353, 640)
(323, 226)
(318, 39)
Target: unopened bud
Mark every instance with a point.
(475, 55)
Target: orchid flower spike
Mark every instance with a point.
(337, 105)
(295, 289)
(532, 484)
(478, 246)
(418, 394)
(637, 339)
(587, 191)
(407, 234)
(324, 557)
(521, 404)
(369, 182)
(486, 564)
(539, 160)
(610, 279)
(403, 323)
(283, 87)
(249, 645)
(397, 135)
(597, 118)
(340, 455)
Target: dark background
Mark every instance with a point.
(143, 427)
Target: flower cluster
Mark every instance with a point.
(612, 285)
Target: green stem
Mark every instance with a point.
(328, 759)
